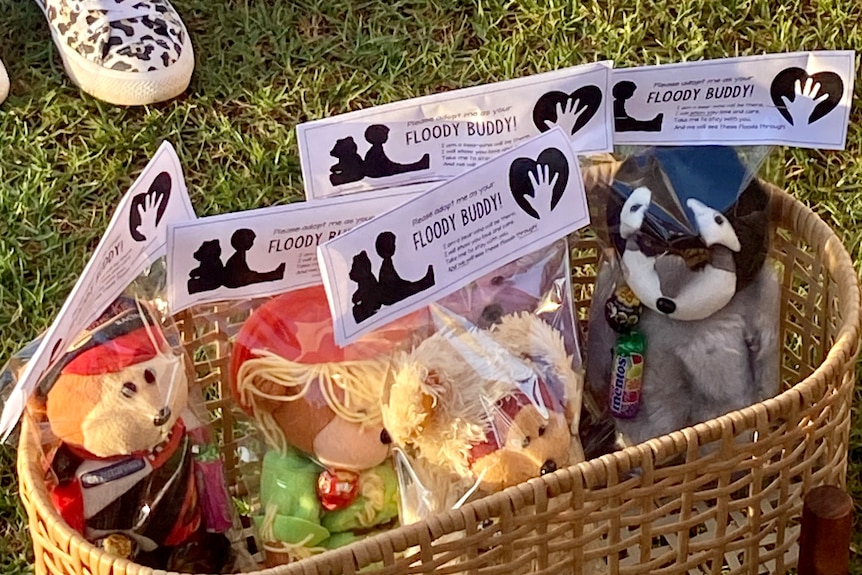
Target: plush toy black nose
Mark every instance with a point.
(665, 305)
(163, 416)
(549, 467)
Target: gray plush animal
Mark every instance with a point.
(710, 305)
(694, 370)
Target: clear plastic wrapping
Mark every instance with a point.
(684, 318)
(478, 392)
(130, 460)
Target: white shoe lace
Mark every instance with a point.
(109, 11)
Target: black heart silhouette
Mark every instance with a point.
(521, 186)
(162, 187)
(784, 84)
(589, 98)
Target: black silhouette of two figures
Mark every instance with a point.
(351, 167)
(388, 287)
(212, 274)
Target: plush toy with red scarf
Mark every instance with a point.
(123, 472)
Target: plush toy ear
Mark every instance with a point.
(70, 400)
(750, 220)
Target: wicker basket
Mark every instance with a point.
(659, 507)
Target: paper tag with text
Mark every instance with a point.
(434, 138)
(135, 238)
(797, 99)
(261, 252)
(453, 234)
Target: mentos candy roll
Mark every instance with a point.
(623, 310)
(627, 377)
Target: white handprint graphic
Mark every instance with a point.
(543, 189)
(567, 116)
(148, 211)
(804, 101)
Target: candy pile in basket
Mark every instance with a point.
(406, 342)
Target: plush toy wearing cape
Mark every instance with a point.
(689, 232)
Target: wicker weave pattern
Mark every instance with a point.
(722, 497)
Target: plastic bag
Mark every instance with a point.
(326, 477)
(684, 320)
(337, 463)
(493, 396)
(130, 461)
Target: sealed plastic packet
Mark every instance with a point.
(492, 395)
(107, 390)
(326, 476)
(684, 322)
(478, 407)
(126, 454)
(315, 463)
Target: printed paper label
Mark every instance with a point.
(437, 137)
(261, 252)
(797, 99)
(135, 237)
(453, 234)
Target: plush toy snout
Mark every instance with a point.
(121, 412)
(533, 446)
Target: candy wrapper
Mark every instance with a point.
(684, 321)
(128, 460)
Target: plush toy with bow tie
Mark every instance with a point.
(684, 321)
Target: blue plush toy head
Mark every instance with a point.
(690, 226)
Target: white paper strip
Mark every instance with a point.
(797, 99)
(451, 235)
(262, 252)
(135, 237)
(436, 137)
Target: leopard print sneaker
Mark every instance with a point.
(125, 52)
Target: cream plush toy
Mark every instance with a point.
(486, 409)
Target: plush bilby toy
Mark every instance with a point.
(689, 234)
(123, 472)
(477, 410)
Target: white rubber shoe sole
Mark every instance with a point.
(4, 83)
(128, 88)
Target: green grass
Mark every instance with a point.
(263, 67)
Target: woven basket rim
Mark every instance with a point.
(787, 211)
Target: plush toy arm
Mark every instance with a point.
(665, 406)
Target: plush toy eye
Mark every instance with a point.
(525, 443)
(129, 389)
(150, 376)
(542, 431)
(635, 208)
(719, 220)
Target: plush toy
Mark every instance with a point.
(476, 406)
(684, 321)
(327, 477)
(124, 471)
